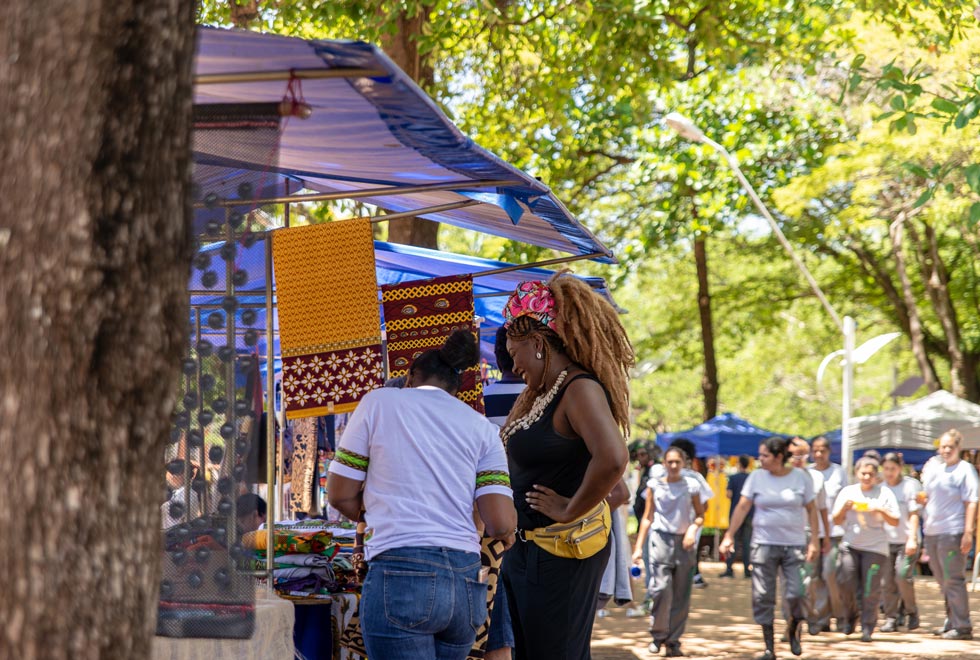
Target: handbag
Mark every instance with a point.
(578, 539)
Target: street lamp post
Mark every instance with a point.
(686, 128)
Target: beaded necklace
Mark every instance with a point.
(537, 409)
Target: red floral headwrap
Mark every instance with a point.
(532, 298)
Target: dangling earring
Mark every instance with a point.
(537, 355)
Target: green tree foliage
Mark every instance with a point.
(575, 91)
(895, 206)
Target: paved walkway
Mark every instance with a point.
(721, 627)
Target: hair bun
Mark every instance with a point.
(460, 350)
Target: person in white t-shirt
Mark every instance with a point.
(783, 497)
(424, 457)
(950, 522)
(673, 514)
(898, 577)
(863, 509)
(704, 490)
(824, 597)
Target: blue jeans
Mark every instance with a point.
(422, 603)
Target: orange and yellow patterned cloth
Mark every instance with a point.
(420, 315)
(329, 323)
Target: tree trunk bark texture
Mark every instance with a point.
(401, 45)
(95, 115)
(916, 334)
(963, 372)
(709, 380)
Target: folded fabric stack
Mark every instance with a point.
(310, 561)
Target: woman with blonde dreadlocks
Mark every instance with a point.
(566, 452)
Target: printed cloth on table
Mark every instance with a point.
(419, 315)
(291, 543)
(329, 322)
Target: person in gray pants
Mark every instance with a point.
(898, 577)
(783, 497)
(950, 521)
(863, 509)
(674, 515)
(823, 595)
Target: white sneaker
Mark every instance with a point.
(635, 612)
(602, 614)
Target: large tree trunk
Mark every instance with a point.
(709, 380)
(936, 279)
(915, 330)
(94, 259)
(401, 45)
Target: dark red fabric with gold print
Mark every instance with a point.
(420, 315)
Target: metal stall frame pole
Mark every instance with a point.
(847, 385)
(382, 191)
(280, 468)
(231, 418)
(186, 442)
(200, 408)
(271, 444)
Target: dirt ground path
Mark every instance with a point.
(721, 626)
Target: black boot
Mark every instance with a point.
(769, 635)
(794, 636)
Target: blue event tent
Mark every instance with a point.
(725, 435)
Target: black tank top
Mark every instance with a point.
(540, 455)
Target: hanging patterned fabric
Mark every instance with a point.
(420, 315)
(329, 324)
(303, 464)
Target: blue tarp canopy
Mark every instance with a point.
(373, 128)
(910, 456)
(725, 435)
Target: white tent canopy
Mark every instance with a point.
(917, 425)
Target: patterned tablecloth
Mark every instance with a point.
(273, 638)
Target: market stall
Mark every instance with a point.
(281, 121)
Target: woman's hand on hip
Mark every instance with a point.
(544, 500)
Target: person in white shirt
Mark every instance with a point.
(673, 514)
(784, 501)
(824, 597)
(658, 471)
(424, 457)
(950, 521)
(863, 509)
(898, 577)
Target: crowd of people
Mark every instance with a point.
(542, 474)
(845, 554)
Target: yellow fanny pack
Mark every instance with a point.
(578, 539)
